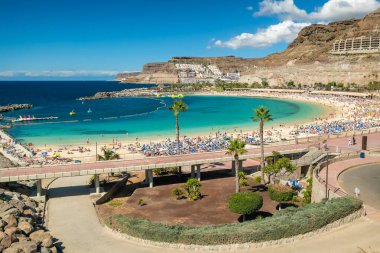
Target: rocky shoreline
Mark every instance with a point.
(140, 92)
(21, 221)
(5, 162)
(13, 107)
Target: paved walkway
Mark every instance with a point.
(200, 158)
(73, 220)
(367, 179)
(336, 168)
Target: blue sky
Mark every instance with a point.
(71, 39)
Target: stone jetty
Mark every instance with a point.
(141, 92)
(13, 107)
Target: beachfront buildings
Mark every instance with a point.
(198, 73)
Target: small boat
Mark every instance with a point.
(72, 113)
(89, 110)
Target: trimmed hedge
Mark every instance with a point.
(280, 193)
(245, 202)
(285, 223)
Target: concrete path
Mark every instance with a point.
(73, 220)
(57, 171)
(367, 179)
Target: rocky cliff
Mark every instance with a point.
(306, 60)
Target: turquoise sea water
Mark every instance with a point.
(131, 118)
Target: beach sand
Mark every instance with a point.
(331, 111)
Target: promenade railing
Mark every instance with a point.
(312, 141)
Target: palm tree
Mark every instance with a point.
(236, 148)
(177, 107)
(262, 115)
(108, 154)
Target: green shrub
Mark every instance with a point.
(307, 194)
(243, 179)
(243, 182)
(141, 202)
(193, 189)
(280, 193)
(91, 182)
(165, 171)
(177, 192)
(242, 175)
(257, 179)
(285, 223)
(295, 199)
(245, 202)
(115, 203)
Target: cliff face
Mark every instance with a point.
(306, 60)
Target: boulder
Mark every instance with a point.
(42, 237)
(25, 227)
(13, 211)
(31, 203)
(18, 204)
(45, 250)
(26, 219)
(2, 224)
(53, 249)
(11, 231)
(30, 212)
(5, 207)
(12, 221)
(6, 241)
(2, 235)
(24, 247)
(22, 237)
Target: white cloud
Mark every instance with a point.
(7, 73)
(293, 19)
(58, 73)
(285, 9)
(344, 9)
(285, 31)
(249, 8)
(332, 10)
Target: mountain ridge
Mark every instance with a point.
(307, 59)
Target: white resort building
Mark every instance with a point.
(360, 45)
(198, 73)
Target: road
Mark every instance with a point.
(73, 220)
(367, 179)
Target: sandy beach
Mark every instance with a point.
(333, 110)
(87, 151)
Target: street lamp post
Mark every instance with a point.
(96, 151)
(327, 177)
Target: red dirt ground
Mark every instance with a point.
(162, 207)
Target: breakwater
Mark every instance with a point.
(13, 107)
(141, 92)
